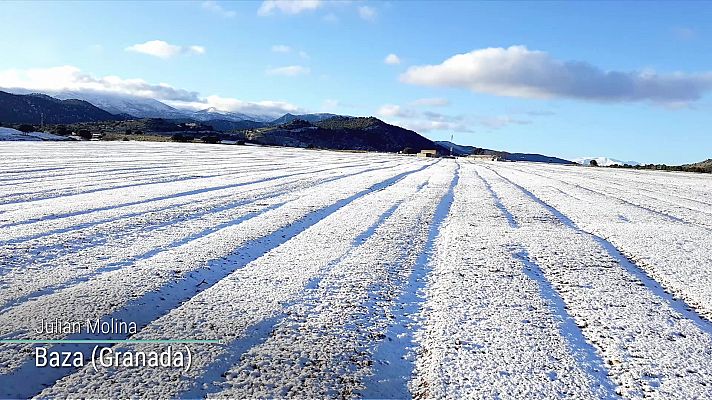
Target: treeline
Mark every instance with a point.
(664, 167)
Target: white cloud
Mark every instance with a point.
(291, 70)
(500, 121)
(367, 13)
(519, 72)
(330, 104)
(303, 54)
(196, 49)
(422, 121)
(280, 48)
(216, 8)
(426, 121)
(431, 102)
(70, 78)
(391, 110)
(161, 49)
(268, 7)
(266, 107)
(392, 59)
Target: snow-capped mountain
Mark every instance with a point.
(141, 107)
(138, 107)
(603, 161)
(213, 113)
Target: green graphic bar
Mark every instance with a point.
(90, 341)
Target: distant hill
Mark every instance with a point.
(341, 133)
(228, 126)
(705, 166)
(213, 114)
(142, 107)
(603, 161)
(287, 118)
(138, 107)
(155, 126)
(38, 108)
(461, 150)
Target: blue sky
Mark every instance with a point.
(630, 81)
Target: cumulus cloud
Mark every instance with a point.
(431, 102)
(519, 72)
(70, 78)
(268, 7)
(500, 121)
(266, 107)
(422, 121)
(367, 13)
(392, 59)
(161, 49)
(290, 70)
(426, 120)
(216, 8)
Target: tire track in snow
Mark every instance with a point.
(263, 288)
(191, 213)
(650, 347)
(325, 347)
(50, 223)
(215, 371)
(394, 358)
(654, 287)
(705, 223)
(150, 305)
(486, 331)
(35, 283)
(667, 253)
(584, 353)
(108, 182)
(198, 190)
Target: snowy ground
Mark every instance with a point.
(329, 274)
(9, 134)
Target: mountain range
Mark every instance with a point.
(341, 133)
(141, 107)
(461, 150)
(603, 161)
(88, 110)
(287, 118)
(40, 108)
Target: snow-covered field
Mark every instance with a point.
(331, 274)
(13, 135)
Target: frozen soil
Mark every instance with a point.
(340, 275)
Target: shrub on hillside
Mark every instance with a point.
(178, 137)
(408, 150)
(25, 128)
(84, 134)
(62, 130)
(211, 139)
(593, 163)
